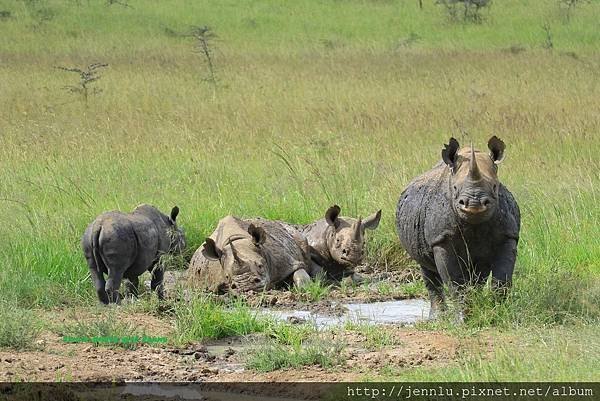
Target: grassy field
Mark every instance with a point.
(314, 103)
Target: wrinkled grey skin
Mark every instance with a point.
(244, 255)
(460, 223)
(337, 244)
(125, 245)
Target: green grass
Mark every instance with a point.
(376, 337)
(371, 118)
(304, 26)
(535, 354)
(19, 328)
(317, 103)
(203, 317)
(288, 334)
(274, 355)
(315, 290)
(100, 328)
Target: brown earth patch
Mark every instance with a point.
(218, 360)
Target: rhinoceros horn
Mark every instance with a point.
(474, 173)
(357, 228)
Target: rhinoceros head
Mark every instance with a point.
(346, 236)
(176, 234)
(242, 259)
(474, 181)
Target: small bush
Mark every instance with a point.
(465, 10)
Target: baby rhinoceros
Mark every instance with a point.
(125, 245)
(244, 255)
(337, 244)
(460, 223)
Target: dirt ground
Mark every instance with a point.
(223, 360)
(55, 360)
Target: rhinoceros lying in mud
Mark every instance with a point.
(124, 245)
(459, 222)
(249, 255)
(337, 243)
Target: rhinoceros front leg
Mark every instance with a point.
(435, 287)
(156, 283)
(301, 278)
(315, 269)
(503, 266)
(99, 284)
(451, 272)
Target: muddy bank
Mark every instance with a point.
(219, 360)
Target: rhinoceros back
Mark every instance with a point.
(285, 248)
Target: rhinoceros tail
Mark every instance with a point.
(96, 229)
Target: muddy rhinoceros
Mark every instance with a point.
(249, 255)
(125, 245)
(460, 223)
(337, 243)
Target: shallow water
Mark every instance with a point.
(407, 311)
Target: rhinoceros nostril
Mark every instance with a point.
(257, 280)
(462, 202)
(233, 286)
(485, 201)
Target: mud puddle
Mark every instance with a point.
(407, 311)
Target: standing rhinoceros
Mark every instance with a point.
(337, 243)
(124, 245)
(459, 222)
(249, 255)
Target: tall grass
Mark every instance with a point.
(354, 116)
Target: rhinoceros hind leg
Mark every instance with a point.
(157, 282)
(99, 284)
(115, 276)
(132, 286)
(301, 278)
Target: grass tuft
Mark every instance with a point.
(204, 317)
(106, 325)
(315, 351)
(315, 290)
(18, 327)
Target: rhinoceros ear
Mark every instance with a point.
(258, 234)
(496, 147)
(449, 152)
(174, 213)
(372, 221)
(331, 215)
(210, 250)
